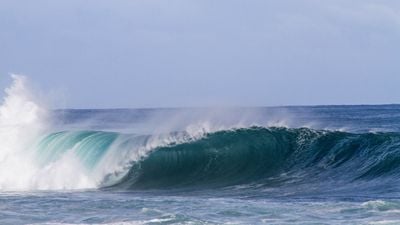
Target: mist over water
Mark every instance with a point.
(78, 149)
(197, 165)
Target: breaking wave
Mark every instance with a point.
(32, 157)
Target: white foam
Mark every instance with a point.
(22, 121)
(20, 124)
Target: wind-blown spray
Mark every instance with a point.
(22, 122)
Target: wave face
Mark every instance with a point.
(269, 157)
(255, 156)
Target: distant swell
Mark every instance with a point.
(268, 156)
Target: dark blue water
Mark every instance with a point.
(279, 165)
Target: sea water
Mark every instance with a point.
(271, 165)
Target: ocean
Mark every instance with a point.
(249, 165)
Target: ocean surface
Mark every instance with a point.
(266, 165)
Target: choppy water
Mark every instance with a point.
(97, 207)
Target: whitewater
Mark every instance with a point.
(261, 165)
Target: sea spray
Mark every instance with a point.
(23, 121)
(36, 156)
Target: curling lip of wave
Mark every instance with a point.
(268, 156)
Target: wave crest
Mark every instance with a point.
(268, 156)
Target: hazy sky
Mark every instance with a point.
(160, 53)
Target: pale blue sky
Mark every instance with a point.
(166, 53)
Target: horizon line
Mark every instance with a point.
(226, 107)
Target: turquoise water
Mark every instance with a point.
(287, 165)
